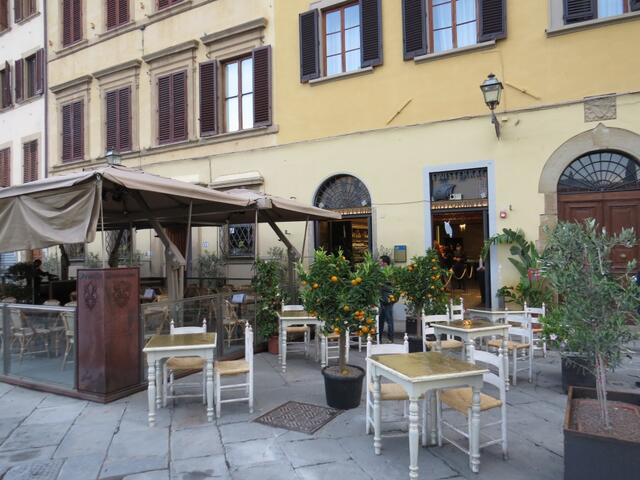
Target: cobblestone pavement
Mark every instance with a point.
(46, 436)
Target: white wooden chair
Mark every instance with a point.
(52, 303)
(459, 399)
(456, 312)
(519, 349)
(332, 347)
(534, 314)
(68, 322)
(377, 324)
(298, 329)
(231, 323)
(388, 391)
(177, 364)
(232, 368)
(449, 344)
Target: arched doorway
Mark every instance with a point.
(347, 195)
(604, 185)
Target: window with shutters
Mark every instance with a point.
(24, 9)
(29, 76)
(576, 11)
(118, 120)
(117, 13)
(342, 42)
(238, 94)
(72, 31)
(5, 167)
(4, 15)
(6, 99)
(167, 3)
(73, 131)
(30, 161)
(172, 108)
(452, 24)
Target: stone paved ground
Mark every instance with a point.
(45, 436)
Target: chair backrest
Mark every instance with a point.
(520, 318)
(17, 318)
(73, 303)
(248, 344)
(229, 312)
(387, 348)
(68, 319)
(8, 300)
(524, 334)
(534, 313)
(456, 312)
(498, 379)
(292, 308)
(173, 330)
(427, 329)
(52, 303)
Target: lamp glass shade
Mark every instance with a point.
(491, 90)
(113, 158)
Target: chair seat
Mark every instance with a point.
(185, 363)
(232, 367)
(537, 329)
(445, 344)
(510, 344)
(297, 329)
(391, 391)
(460, 399)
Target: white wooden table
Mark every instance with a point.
(421, 374)
(159, 348)
(494, 316)
(298, 317)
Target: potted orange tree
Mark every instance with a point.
(345, 299)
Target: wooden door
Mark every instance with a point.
(621, 214)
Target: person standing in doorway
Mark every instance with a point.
(386, 305)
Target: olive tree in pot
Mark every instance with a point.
(421, 283)
(344, 299)
(266, 282)
(602, 427)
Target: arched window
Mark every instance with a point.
(601, 171)
(342, 192)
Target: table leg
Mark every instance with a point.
(413, 437)
(433, 417)
(316, 334)
(209, 368)
(474, 434)
(280, 341)
(469, 348)
(377, 434)
(504, 351)
(283, 348)
(151, 391)
(159, 384)
(323, 351)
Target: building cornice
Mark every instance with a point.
(250, 26)
(118, 68)
(173, 50)
(76, 82)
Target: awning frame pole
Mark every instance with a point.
(104, 244)
(304, 239)
(188, 243)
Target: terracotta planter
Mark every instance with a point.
(274, 345)
(589, 456)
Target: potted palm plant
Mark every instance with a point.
(597, 308)
(345, 299)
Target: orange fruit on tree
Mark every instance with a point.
(304, 282)
(354, 282)
(336, 330)
(369, 321)
(334, 279)
(359, 280)
(346, 308)
(315, 285)
(364, 329)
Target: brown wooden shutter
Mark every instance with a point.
(78, 130)
(493, 20)
(19, 82)
(579, 10)
(67, 12)
(4, 14)
(163, 3)
(26, 162)
(164, 109)
(112, 13)
(6, 86)
(371, 32)
(309, 45)
(39, 80)
(30, 161)
(262, 81)
(414, 28)
(123, 11)
(209, 98)
(124, 119)
(5, 167)
(32, 7)
(67, 133)
(111, 106)
(180, 108)
(77, 20)
(17, 11)
(634, 5)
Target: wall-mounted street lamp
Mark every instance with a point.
(492, 90)
(113, 158)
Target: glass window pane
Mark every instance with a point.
(352, 16)
(442, 40)
(467, 34)
(334, 43)
(442, 16)
(334, 65)
(353, 60)
(232, 115)
(465, 11)
(231, 79)
(247, 75)
(609, 8)
(333, 21)
(352, 38)
(247, 111)
(440, 2)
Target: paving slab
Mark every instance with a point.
(196, 442)
(202, 468)
(66, 413)
(331, 471)
(44, 470)
(272, 471)
(244, 431)
(94, 414)
(85, 467)
(122, 466)
(152, 442)
(155, 475)
(254, 452)
(28, 455)
(86, 439)
(315, 451)
(34, 436)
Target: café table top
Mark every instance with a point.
(295, 314)
(180, 342)
(423, 366)
(471, 325)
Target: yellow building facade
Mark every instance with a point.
(400, 139)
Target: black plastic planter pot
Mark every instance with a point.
(573, 374)
(415, 344)
(343, 391)
(594, 457)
